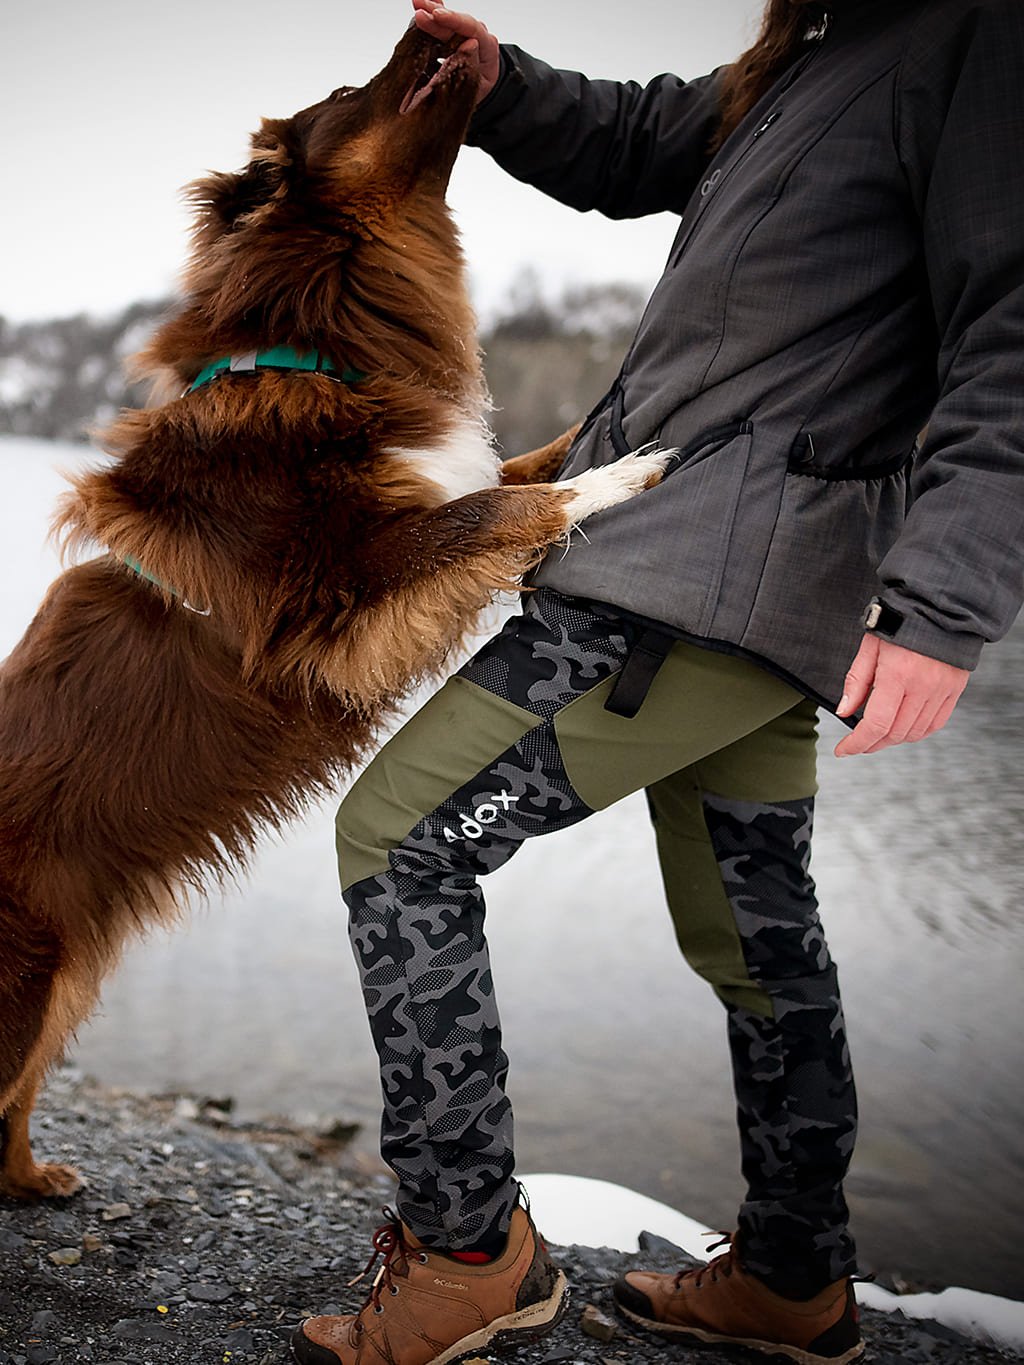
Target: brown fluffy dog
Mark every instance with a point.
(283, 552)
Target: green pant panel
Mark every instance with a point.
(460, 731)
(774, 763)
(701, 914)
(699, 702)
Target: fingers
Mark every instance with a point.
(909, 696)
(478, 44)
(423, 17)
(860, 677)
(905, 723)
(872, 731)
(433, 18)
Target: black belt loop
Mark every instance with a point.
(638, 672)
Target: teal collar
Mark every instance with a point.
(136, 567)
(277, 358)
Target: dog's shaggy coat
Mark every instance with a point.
(280, 558)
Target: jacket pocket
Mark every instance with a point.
(805, 458)
(701, 494)
(618, 404)
(692, 453)
(707, 444)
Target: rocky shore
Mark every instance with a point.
(199, 1241)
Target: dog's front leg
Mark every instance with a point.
(21, 1176)
(493, 535)
(541, 465)
(436, 570)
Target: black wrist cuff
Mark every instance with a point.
(882, 619)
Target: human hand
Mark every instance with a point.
(908, 696)
(433, 18)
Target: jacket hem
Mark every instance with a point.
(706, 642)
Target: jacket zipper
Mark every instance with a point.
(610, 400)
(719, 173)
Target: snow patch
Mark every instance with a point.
(983, 1317)
(570, 1209)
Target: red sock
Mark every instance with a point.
(471, 1257)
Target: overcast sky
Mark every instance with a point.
(110, 106)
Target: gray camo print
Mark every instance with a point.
(418, 935)
(797, 1107)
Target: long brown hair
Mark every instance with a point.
(783, 29)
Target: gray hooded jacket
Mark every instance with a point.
(848, 268)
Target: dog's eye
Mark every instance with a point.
(342, 91)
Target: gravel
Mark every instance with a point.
(199, 1240)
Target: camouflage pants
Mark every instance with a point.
(520, 743)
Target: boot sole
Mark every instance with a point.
(666, 1329)
(514, 1330)
(503, 1334)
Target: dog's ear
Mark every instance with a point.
(275, 147)
(224, 200)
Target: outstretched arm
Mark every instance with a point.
(618, 147)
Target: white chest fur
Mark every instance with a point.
(461, 463)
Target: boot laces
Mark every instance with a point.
(388, 1242)
(721, 1265)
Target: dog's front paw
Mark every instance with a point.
(42, 1180)
(597, 489)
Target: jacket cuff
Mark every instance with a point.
(901, 622)
(498, 101)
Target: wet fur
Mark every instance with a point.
(144, 746)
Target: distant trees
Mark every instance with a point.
(547, 359)
(63, 377)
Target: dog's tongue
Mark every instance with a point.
(418, 93)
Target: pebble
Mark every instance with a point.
(209, 1293)
(113, 1212)
(139, 1329)
(598, 1325)
(66, 1256)
(39, 1354)
(238, 1340)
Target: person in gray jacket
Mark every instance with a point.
(848, 274)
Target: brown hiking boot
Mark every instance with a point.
(426, 1308)
(722, 1303)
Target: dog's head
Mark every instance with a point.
(336, 235)
(356, 155)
